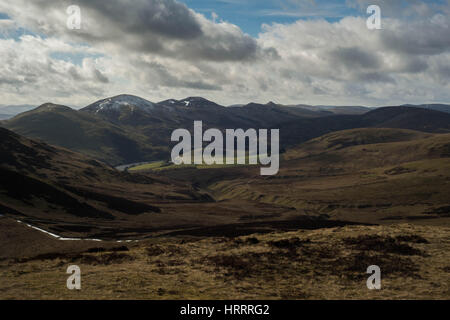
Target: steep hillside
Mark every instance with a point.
(71, 195)
(85, 133)
(41, 180)
(47, 185)
(365, 175)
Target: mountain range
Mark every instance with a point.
(353, 190)
(129, 129)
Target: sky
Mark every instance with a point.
(317, 52)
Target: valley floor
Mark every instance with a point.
(305, 264)
(340, 203)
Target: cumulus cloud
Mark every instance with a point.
(28, 71)
(163, 49)
(163, 27)
(345, 58)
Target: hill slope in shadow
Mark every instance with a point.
(127, 129)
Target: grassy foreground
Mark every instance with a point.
(319, 264)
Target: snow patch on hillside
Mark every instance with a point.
(119, 102)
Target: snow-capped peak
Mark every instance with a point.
(118, 102)
(194, 99)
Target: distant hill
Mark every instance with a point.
(407, 118)
(85, 133)
(336, 109)
(295, 132)
(128, 129)
(13, 110)
(272, 112)
(133, 111)
(382, 137)
(196, 102)
(9, 111)
(119, 103)
(436, 107)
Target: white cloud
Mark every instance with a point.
(315, 61)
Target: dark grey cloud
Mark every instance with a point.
(164, 27)
(414, 65)
(444, 74)
(418, 38)
(355, 57)
(375, 77)
(223, 47)
(167, 18)
(100, 77)
(75, 74)
(157, 74)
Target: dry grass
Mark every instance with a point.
(371, 177)
(319, 264)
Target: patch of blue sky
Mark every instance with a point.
(17, 33)
(74, 57)
(250, 15)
